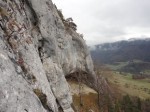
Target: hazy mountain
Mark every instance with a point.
(122, 51)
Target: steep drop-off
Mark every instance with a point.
(37, 51)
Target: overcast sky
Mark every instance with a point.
(108, 20)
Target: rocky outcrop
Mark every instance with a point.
(36, 53)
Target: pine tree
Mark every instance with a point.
(139, 104)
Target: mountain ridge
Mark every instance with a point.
(125, 50)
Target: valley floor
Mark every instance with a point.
(125, 84)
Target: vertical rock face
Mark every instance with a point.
(36, 53)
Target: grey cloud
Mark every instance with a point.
(108, 20)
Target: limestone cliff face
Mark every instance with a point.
(36, 53)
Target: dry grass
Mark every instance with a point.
(88, 100)
(75, 88)
(3, 12)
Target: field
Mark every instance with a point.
(134, 67)
(124, 84)
(85, 99)
(117, 65)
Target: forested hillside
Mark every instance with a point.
(122, 51)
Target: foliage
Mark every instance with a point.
(68, 23)
(138, 96)
(146, 105)
(129, 104)
(126, 104)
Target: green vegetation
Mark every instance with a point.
(117, 65)
(134, 67)
(130, 104)
(130, 95)
(137, 84)
(68, 23)
(127, 85)
(126, 67)
(122, 51)
(126, 104)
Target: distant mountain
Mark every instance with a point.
(122, 51)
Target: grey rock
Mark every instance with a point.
(36, 54)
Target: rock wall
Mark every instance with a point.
(36, 53)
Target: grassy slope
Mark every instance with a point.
(124, 84)
(121, 84)
(117, 65)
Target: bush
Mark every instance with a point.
(68, 23)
